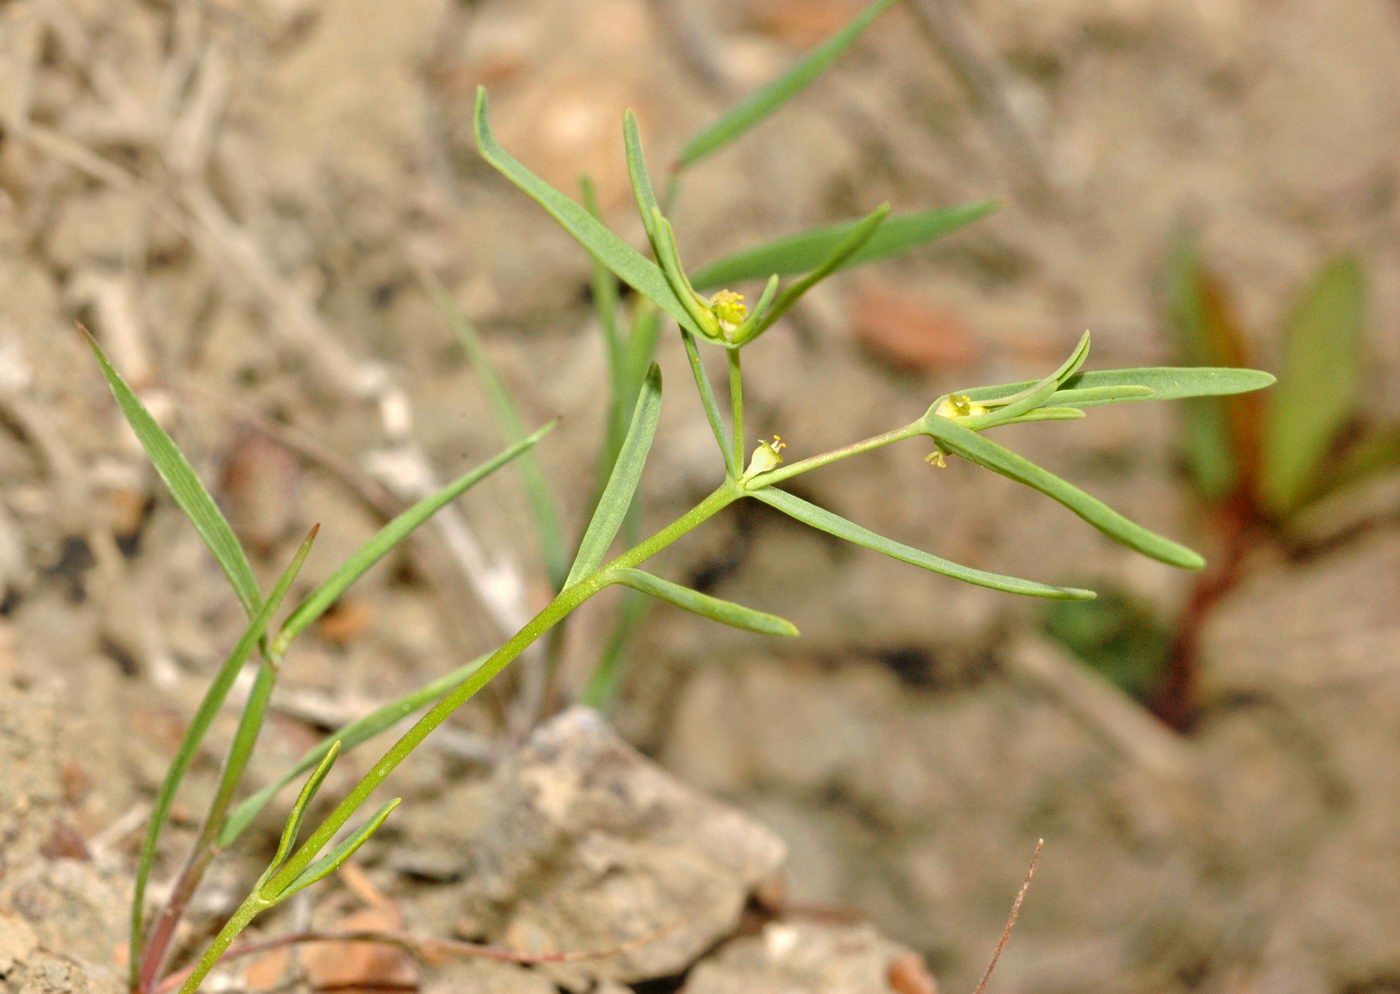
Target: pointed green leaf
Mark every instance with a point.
(388, 537)
(348, 737)
(978, 449)
(1320, 384)
(799, 253)
(1047, 414)
(1034, 396)
(622, 484)
(781, 90)
(725, 612)
(833, 524)
(668, 254)
(633, 268)
(642, 189)
(204, 715)
(184, 485)
(303, 801)
(548, 531)
(859, 235)
(1110, 386)
(334, 859)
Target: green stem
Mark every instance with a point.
(157, 950)
(835, 455)
(252, 906)
(707, 401)
(736, 404)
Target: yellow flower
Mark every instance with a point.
(766, 457)
(729, 309)
(959, 405)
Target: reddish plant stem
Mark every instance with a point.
(163, 932)
(1176, 699)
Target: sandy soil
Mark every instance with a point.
(238, 197)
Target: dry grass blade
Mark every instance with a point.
(1011, 918)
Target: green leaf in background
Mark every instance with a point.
(347, 737)
(1319, 386)
(978, 449)
(622, 484)
(194, 735)
(630, 266)
(768, 99)
(725, 612)
(833, 524)
(601, 689)
(1375, 452)
(390, 536)
(184, 485)
(859, 236)
(1221, 436)
(803, 252)
(1117, 636)
(548, 530)
(334, 859)
(1112, 386)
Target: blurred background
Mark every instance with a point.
(243, 198)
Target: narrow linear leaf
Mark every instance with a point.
(1037, 395)
(630, 266)
(833, 524)
(334, 859)
(622, 484)
(548, 530)
(184, 485)
(848, 246)
(1319, 386)
(388, 537)
(303, 801)
(725, 612)
(1102, 386)
(978, 449)
(1091, 396)
(642, 189)
(204, 715)
(781, 90)
(802, 252)
(348, 736)
(1047, 414)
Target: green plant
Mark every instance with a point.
(1259, 466)
(954, 424)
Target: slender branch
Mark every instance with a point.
(835, 455)
(736, 406)
(567, 600)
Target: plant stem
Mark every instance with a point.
(845, 452)
(205, 847)
(238, 921)
(736, 405)
(563, 604)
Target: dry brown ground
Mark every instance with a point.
(236, 196)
